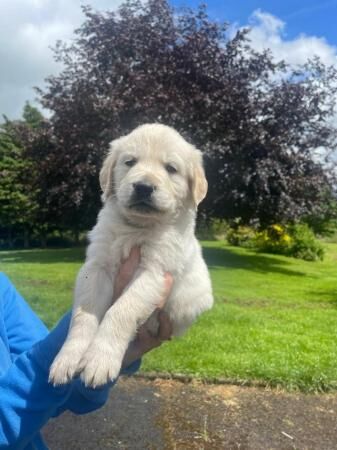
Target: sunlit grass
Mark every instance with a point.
(274, 320)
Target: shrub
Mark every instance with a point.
(305, 245)
(241, 236)
(274, 239)
(212, 229)
(296, 240)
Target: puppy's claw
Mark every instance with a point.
(60, 374)
(64, 367)
(100, 365)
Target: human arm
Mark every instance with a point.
(27, 400)
(22, 327)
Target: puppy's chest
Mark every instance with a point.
(159, 252)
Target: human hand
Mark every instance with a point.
(144, 341)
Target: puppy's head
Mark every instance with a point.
(153, 173)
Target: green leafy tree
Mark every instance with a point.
(32, 116)
(18, 204)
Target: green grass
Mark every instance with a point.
(274, 320)
(45, 278)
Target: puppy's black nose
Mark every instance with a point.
(143, 190)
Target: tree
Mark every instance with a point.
(17, 198)
(271, 162)
(257, 122)
(32, 116)
(29, 181)
(50, 176)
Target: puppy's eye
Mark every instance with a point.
(170, 169)
(130, 162)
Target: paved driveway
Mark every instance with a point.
(165, 415)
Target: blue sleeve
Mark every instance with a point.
(27, 400)
(23, 327)
(82, 399)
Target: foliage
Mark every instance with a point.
(32, 116)
(324, 223)
(208, 229)
(18, 203)
(305, 245)
(46, 175)
(296, 240)
(61, 189)
(274, 239)
(274, 319)
(257, 122)
(241, 236)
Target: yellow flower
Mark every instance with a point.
(278, 228)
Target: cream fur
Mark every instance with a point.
(100, 332)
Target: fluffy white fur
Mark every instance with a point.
(100, 331)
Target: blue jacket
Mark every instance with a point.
(27, 350)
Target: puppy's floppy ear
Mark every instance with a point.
(106, 173)
(198, 180)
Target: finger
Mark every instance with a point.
(168, 283)
(145, 341)
(127, 271)
(143, 333)
(129, 266)
(165, 327)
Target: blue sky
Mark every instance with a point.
(311, 17)
(294, 30)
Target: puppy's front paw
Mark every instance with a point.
(65, 365)
(100, 364)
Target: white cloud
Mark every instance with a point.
(28, 28)
(268, 32)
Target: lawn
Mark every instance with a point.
(274, 320)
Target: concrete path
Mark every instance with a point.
(165, 415)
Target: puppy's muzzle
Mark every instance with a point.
(142, 198)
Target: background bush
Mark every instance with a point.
(274, 239)
(305, 245)
(297, 240)
(241, 236)
(210, 229)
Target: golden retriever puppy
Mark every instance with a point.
(152, 182)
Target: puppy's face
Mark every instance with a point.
(153, 173)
